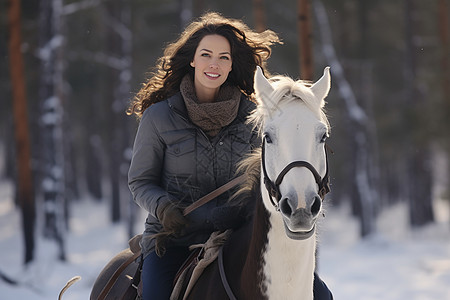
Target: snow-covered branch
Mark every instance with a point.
(45, 52)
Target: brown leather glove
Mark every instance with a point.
(171, 218)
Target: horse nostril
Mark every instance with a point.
(315, 208)
(285, 208)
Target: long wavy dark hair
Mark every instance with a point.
(248, 50)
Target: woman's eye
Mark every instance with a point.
(324, 138)
(204, 54)
(225, 57)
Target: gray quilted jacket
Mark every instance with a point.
(173, 160)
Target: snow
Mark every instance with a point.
(395, 263)
(91, 243)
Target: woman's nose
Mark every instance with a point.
(214, 65)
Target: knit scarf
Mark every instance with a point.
(210, 117)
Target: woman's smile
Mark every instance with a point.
(212, 76)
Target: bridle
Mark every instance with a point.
(273, 188)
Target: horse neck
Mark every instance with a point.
(283, 268)
(287, 265)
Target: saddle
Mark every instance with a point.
(126, 287)
(201, 256)
(121, 277)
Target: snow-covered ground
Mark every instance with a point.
(396, 263)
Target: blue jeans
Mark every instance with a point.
(158, 274)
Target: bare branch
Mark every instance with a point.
(121, 29)
(77, 6)
(107, 60)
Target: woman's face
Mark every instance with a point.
(212, 63)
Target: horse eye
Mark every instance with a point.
(324, 138)
(267, 138)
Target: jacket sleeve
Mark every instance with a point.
(144, 175)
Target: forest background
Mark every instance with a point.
(67, 79)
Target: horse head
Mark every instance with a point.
(294, 128)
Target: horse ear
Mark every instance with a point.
(263, 88)
(321, 88)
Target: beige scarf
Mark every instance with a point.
(210, 117)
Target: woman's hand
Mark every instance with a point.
(227, 217)
(171, 218)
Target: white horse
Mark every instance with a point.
(274, 256)
(294, 129)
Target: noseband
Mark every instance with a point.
(273, 188)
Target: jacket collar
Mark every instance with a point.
(176, 103)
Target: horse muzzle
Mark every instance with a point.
(300, 222)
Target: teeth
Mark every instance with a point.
(212, 75)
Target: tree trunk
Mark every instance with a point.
(120, 46)
(51, 94)
(199, 7)
(259, 15)
(364, 196)
(305, 40)
(22, 138)
(420, 201)
(364, 78)
(111, 80)
(70, 167)
(94, 169)
(10, 153)
(186, 14)
(444, 37)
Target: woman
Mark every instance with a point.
(191, 135)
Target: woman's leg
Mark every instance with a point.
(158, 273)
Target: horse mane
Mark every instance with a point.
(251, 166)
(285, 90)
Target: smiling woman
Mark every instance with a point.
(191, 136)
(246, 50)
